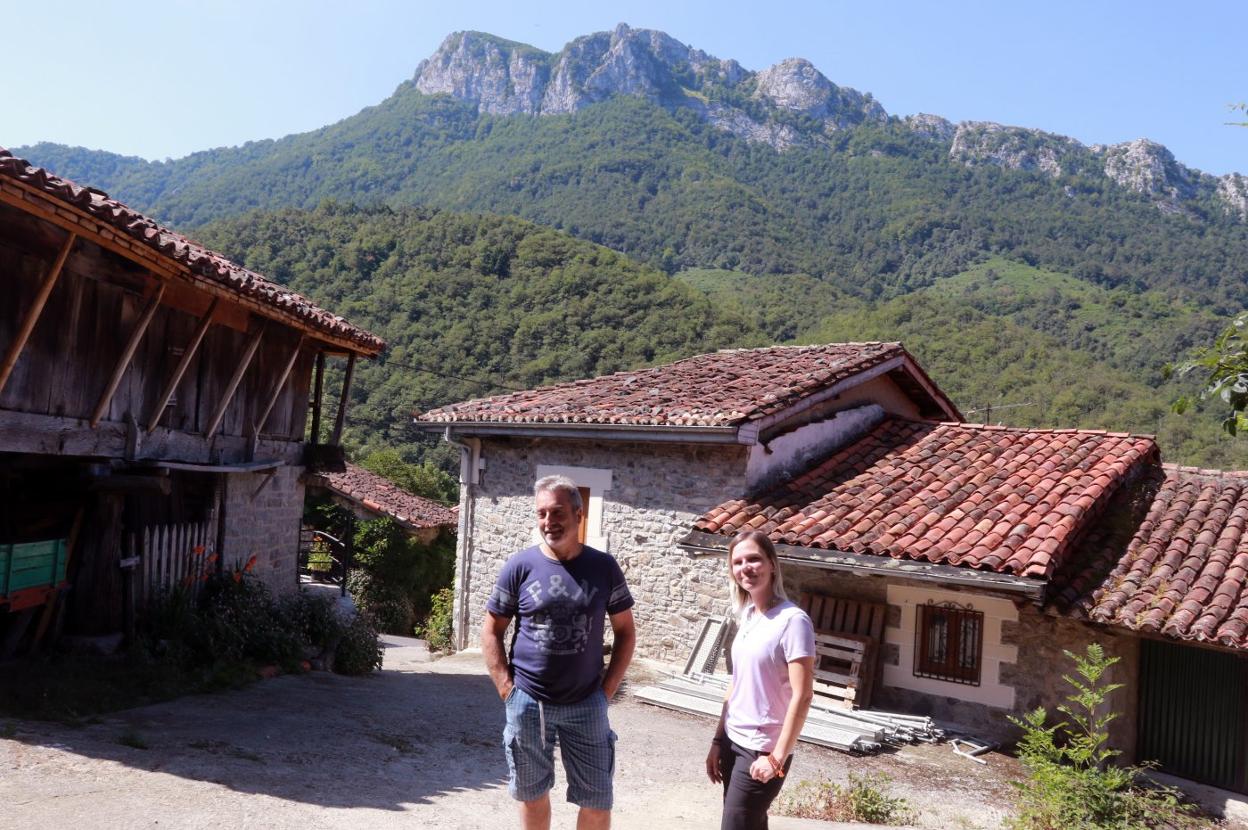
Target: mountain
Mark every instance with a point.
(801, 206)
(787, 105)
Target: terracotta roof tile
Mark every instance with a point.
(724, 388)
(1176, 563)
(948, 493)
(199, 260)
(381, 495)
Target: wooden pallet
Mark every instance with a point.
(848, 636)
(844, 668)
(834, 615)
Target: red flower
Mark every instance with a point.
(251, 563)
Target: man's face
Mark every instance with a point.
(557, 521)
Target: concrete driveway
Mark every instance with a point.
(414, 746)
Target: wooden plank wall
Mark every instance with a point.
(89, 316)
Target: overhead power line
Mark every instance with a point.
(483, 383)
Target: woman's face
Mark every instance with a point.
(751, 568)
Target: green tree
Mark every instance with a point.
(1072, 783)
(1224, 367)
(424, 479)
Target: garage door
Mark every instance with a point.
(1194, 713)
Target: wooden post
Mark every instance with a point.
(336, 439)
(248, 354)
(317, 394)
(35, 312)
(277, 390)
(187, 356)
(127, 355)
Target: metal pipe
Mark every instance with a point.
(469, 456)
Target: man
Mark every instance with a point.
(553, 685)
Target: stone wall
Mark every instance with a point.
(262, 515)
(656, 493)
(1035, 641)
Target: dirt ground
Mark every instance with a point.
(414, 746)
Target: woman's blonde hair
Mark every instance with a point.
(740, 597)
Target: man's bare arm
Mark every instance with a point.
(492, 633)
(621, 651)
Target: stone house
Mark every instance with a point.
(154, 403)
(990, 550)
(370, 496)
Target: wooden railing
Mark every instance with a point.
(175, 555)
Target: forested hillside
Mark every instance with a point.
(472, 305)
(878, 212)
(1052, 293)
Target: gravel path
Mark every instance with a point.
(415, 746)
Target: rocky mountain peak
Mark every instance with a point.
(797, 86)
(1014, 148)
(1233, 191)
(1149, 168)
(503, 77)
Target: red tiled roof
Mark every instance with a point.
(198, 260)
(724, 388)
(1180, 571)
(381, 495)
(993, 498)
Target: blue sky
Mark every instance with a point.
(165, 79)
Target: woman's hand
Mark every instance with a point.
(713, 770)
(761, 770)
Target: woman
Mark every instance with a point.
(773, 657)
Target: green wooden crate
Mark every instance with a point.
(31, 565)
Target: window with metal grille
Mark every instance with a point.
(949, 643)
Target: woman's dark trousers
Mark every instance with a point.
(745, 800)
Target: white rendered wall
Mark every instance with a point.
(990, 691)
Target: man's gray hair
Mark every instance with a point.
(554, 484)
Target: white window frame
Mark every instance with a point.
(990, 691)
(598, 482)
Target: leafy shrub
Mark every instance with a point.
(395, 576)
(864, 799)
(437, 628)
(237, 623)
(314, 617)
(359, 651)
(239, 620)
(1071, 784)
(389, 606)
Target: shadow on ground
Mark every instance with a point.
(403, 736)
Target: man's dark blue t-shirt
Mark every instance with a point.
(560, 607)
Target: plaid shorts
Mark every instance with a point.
(585, 740)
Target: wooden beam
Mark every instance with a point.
(62, 435)
(34, 201)
(336, 439)
(35, 311)
(277, 390)
(187, 356)
(318, 394)
(230, 389)
(127, 355)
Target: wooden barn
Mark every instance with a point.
(154, 409)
